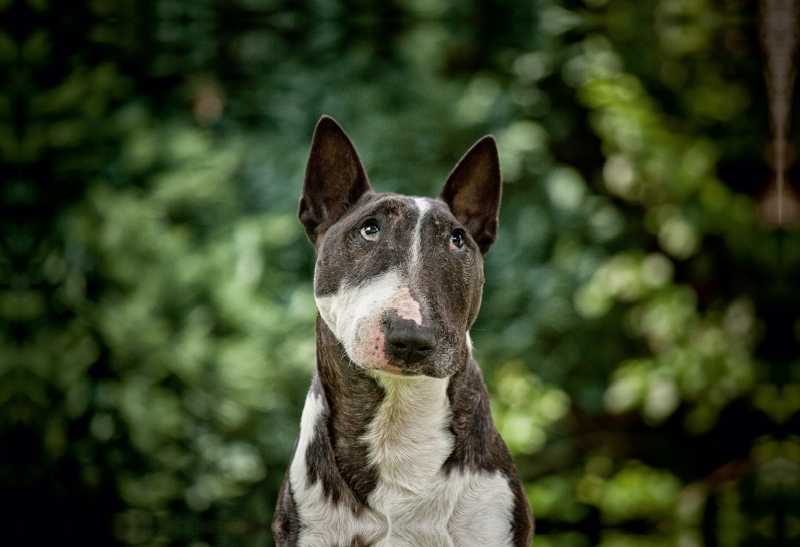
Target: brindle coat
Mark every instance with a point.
(432, 250)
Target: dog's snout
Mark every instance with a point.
(408, 342)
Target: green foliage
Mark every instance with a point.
(639, 328)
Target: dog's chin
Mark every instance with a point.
(420, 369)
(386, 369)
(428, 368)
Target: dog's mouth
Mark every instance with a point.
(396, 371)
(385, 366)
(398, 361)
(390, 363)
(395, 364)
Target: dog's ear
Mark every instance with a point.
(472, 191)
(335, 179)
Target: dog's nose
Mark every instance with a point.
(408, 342)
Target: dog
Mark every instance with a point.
(397, 446)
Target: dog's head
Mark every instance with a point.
(398, 279)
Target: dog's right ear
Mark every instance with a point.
(335, 179)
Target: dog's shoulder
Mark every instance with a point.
(479, 449)
(478, 445)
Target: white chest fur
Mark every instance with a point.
(409, 438)
(414, 503)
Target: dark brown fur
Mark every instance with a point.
(336, 200)
(350, 399)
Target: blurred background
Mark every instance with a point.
(641, 316)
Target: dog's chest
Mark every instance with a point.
(415, 502)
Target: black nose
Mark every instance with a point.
(408, 342)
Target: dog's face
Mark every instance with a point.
(396, 273)
(398, 279)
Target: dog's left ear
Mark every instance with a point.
(472, 191)
(335, 179)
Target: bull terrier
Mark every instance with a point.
(397, 446)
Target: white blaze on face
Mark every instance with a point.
(354, 316)
(407, 308)
(416, 243)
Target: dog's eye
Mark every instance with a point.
(456, 240)
(370, 231)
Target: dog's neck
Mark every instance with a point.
(392, 428)
(409, 437)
